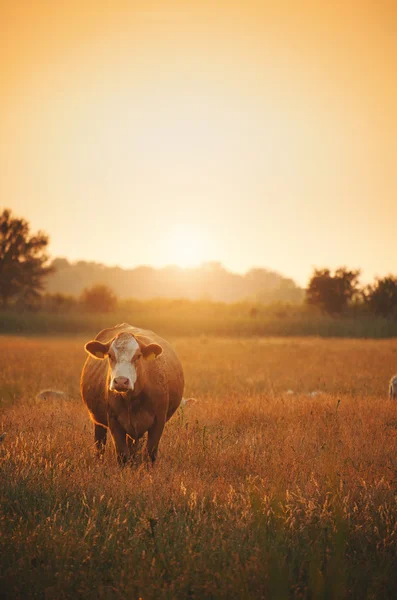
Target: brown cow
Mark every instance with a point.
(132, 383)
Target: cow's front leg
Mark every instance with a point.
(135, 448)
(100, 439)
(154, 435)
(119, 439)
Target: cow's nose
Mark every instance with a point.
(121, 383)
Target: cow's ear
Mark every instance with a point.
(97, 349)
(151, 351)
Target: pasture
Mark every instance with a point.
(257, 493)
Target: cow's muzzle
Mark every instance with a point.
(120, 384)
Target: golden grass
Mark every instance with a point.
(256, 494)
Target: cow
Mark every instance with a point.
(393, 388)
(132, 383)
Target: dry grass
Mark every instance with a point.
(256, 493)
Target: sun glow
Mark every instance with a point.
(243, 133)
(186, 248)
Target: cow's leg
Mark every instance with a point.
(100, 439)
(119, 439)
(154, 435)
(134, 446)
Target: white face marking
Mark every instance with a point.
(121, 352)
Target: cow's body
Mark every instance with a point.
(143, 401)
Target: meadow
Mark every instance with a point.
(258, 492)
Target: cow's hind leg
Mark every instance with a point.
(154, 435)
(100, 439)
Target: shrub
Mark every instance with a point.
(99, 298)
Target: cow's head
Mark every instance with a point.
(126, 355)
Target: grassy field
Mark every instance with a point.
(257, 493)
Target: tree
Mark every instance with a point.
(99, 298)
(22, 260)
(332, 293)
(382, 296)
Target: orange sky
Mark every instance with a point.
(251, 133)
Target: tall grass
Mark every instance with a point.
(257, 493)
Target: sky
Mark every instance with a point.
(255, 133)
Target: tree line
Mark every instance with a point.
(334, 294)
(25, 269)
(210, 281)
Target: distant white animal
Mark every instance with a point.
(393, 388)
(185, 401)
(311, 394)
(51, 395)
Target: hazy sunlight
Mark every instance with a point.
(185, 248)
(268, 123)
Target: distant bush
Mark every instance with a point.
(382, 297)
(332, 293)
(58, 303)
(99, 298)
